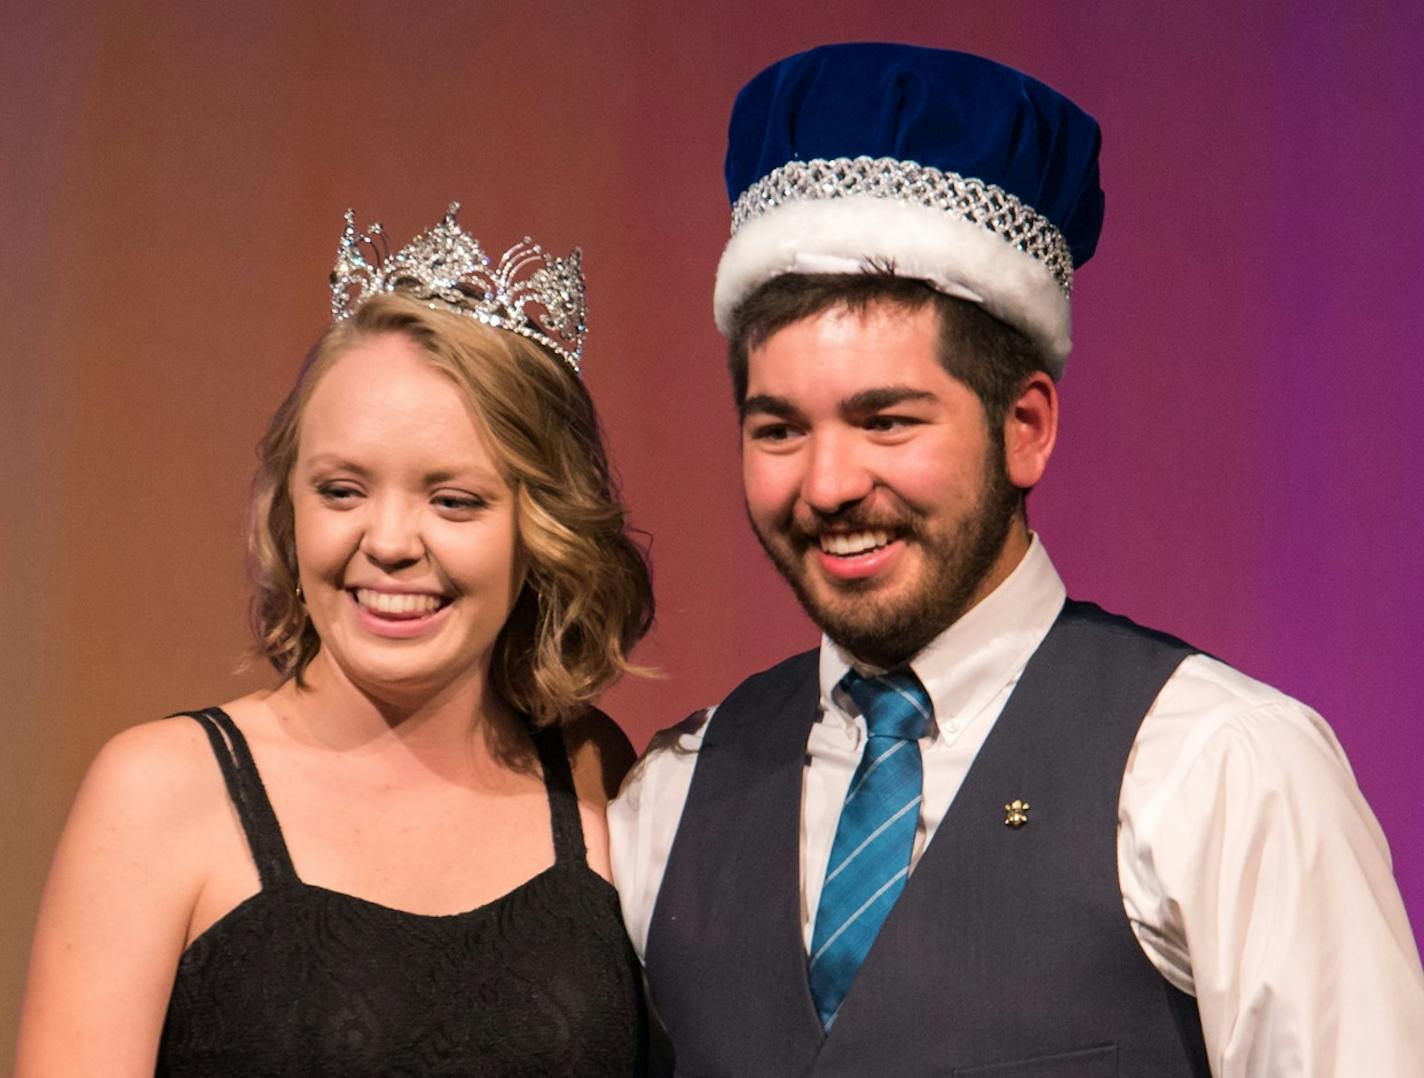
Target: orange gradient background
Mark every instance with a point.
(1240, 411)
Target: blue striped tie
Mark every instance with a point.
(870, 858)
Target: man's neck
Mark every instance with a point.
(1011, 554)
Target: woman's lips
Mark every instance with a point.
(398, 615)
(396, 604)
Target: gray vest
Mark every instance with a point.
(1008, 955)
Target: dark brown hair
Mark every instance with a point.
(989, 356)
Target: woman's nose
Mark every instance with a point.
(392, 534)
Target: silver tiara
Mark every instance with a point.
(446, 267)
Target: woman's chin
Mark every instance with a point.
(397, 682)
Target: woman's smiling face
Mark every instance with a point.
(406, 530)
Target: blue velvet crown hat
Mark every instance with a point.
(932, 164)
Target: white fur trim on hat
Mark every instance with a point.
(863, 232)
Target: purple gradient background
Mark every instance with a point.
(1238, 456)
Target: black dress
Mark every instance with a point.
(301, 980)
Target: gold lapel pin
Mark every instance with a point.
(1016, 813)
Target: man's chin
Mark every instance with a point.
(856, 615)
(849, 598)
(878, 620)
(864, 615)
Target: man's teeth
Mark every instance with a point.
(854, 542)
(388, 603)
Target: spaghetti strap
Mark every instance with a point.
(563, 801)
(249, 797)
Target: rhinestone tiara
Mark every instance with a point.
(530, 292)
(987, 205)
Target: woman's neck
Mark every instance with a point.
(452, 728)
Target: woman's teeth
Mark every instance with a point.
(382, 602)
(846, 544)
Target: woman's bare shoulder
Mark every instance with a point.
(150, 796)
(120, 893)
(600, 753)
(152, 766)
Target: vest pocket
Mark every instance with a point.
(1098, 1062)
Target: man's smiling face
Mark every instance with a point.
(872, 478)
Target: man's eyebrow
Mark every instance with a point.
(873, 400)
(862, 403)
(765, 404)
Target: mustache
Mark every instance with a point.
(856, 518)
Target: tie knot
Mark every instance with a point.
(894, 704)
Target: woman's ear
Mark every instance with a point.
(1030, 429)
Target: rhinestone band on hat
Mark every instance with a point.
(985, 204)
(529, 292)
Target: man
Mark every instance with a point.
(982, 830)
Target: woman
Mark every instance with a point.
(398, 863)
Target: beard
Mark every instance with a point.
(888, 630)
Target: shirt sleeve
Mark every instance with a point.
(643, 819)
(1258, 880)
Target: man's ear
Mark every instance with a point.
(1030, 429)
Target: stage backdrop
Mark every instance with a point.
(1241, 413)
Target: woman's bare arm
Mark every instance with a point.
(116, 907)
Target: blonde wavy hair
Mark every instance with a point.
(587, 597)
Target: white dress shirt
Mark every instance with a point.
(1252, 872)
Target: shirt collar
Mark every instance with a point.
(966, 666)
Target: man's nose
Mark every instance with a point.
(836, 476)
